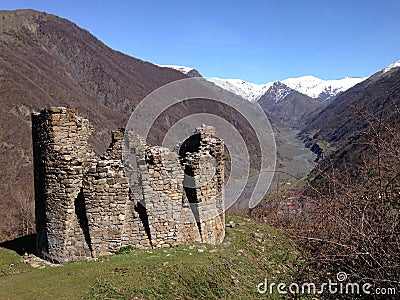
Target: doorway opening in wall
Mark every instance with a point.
(190, 145)
(80, 211)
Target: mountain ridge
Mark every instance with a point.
(376, 95)
(49, 61)
(321, 90)
(291, 107)
(188, 71)
(311, 86)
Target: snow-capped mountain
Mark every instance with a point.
(311, 86)
(319, 89)
(392, 66)
(385, 72)
(189, 71)
(316, 88)
(287, 104)
(246, 90)
(278, 91)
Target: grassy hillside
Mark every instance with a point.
(251, 252)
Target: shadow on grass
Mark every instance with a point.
(22, 245)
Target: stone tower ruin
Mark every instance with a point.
(87, 205)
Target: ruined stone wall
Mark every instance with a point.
(87, 205)
(202, 157)
(61, 152)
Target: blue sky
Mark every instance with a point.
(258, 41)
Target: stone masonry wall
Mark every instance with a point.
(202, 157)
(60, 157)
(88, 206)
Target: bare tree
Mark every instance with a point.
(349, 219)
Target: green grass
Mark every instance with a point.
(231, 270)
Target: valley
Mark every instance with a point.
(297, 160)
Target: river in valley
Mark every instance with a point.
(294, 162)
